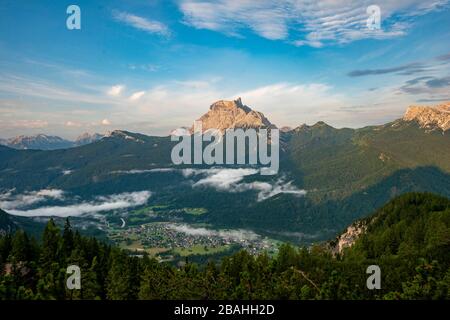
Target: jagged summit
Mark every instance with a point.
(319, 124)
(86, 138)
(38, 141)
(432, 118)
(122, 134)
(225, 114)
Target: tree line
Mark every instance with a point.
(409, 239)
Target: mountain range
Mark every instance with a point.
(46, 142)
(328, 177)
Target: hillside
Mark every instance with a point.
(338, 162)
(414, 222)
(346, 173)
(408, 239)
(6, 224)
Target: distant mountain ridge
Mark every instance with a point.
(347, 173)
(86, 138)
(47, 142)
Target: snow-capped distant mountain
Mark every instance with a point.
(39, 141)
(46, 142)
(87, 138)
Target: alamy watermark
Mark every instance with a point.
(374, 280)
(74, 280)
(73, 21)
(233, 147)
(374, 20)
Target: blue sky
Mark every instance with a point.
(151, 66)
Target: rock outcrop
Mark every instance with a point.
(430, 118)
(348, 238)
(123, 135)
(224, 115)
(87, 138)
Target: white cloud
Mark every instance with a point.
(284, 103)
(228, 180)
(304, 22)
(137, 95)
(37, 88)
(233, 235)
(179, 103)
(116, 91)
(267, 190)
(265, 18)
(27, 124)
(147, 25)
(73, 124)
(9, 200)
(106, 122)
(141, 171)
(231, 180)
(175, 102)
(102, 203)
(221, 179)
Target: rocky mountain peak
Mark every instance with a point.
(437, 117)
(39, 141)
(125, 135)
(86, 138)
(225, 114)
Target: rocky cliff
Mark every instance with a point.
(348, 238)
(224, 115)
(430, 118)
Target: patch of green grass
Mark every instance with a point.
(195, 211)
(200, 250)
(148, 209)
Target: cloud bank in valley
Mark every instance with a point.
(10, 201)
(228, 180)
(18, 204)
(233, 235)
(231, 180)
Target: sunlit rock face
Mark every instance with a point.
(437, 117)
(224, 115)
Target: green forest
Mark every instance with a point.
(408, 238)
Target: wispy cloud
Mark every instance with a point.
(9, 200)
(228, 180)
(106, 122)
(142, 171)
(266, 18)
(137, 95)
(304, 22)
(147, 25)
(231, 235)
(407, 69)
(221, 179)
(434, 87)
(24, 124)
(38, 88)
(116, 90)
(231, 180)
(101, 203)
(444, 57)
